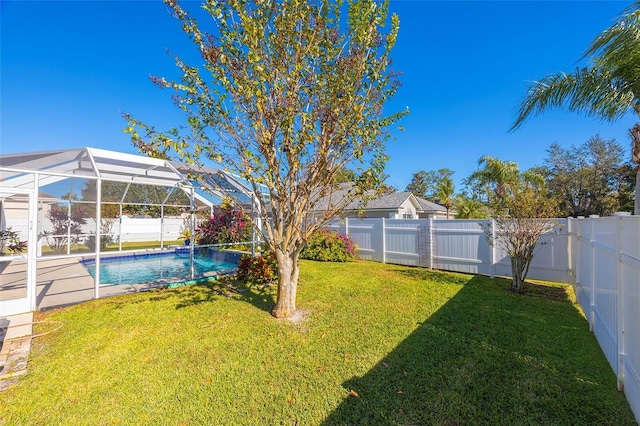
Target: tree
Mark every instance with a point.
(418, 184)
(425, 184)
(521, 210)
(588, 179)
(495, 177)
(470, 208)
(445, 192)
(66, 224)
(293, 95)
(608, 88)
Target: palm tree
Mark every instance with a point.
(469, 208)
(445, 192)
(497, 175)
(608, 88)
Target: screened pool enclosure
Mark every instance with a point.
(61, 209)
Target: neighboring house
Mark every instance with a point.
(398, 205)
(431, 210)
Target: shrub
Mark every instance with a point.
(105, 240)
(225, 226)
(258, 270)
(328, 246)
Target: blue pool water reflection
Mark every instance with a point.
(162, 266)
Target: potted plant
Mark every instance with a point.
(186, 236)
(10, 240)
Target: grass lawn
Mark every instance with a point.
(380, 345)
(135, 245)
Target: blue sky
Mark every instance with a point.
(70, 68)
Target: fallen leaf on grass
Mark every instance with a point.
(354, 393)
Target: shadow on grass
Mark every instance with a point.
(489, 356)
(261, 298)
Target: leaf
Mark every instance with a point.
(354, 393)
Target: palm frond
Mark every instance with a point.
(592, 91)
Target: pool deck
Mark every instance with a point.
(63, 282)
(60, 282)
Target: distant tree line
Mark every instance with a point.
(589, 179)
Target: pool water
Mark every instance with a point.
(143, 268)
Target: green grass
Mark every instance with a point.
(380, 345)
(134, 245)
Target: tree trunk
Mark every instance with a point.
(517, 270)
(287, 284)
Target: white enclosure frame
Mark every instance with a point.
(25, 173)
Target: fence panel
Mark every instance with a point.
(630, 302)
(461, 246)
(452, 245)
(368, 235)
(550, 261)
(402, 241)
(605, 280)
(606, 264)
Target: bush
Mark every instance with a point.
(328, 246)
(225, 226)
(105, 240)
(258, 270)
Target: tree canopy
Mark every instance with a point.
(589, 179)
(425, 184)
(290, 93)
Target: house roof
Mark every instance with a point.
(385, 202)
(430, 206)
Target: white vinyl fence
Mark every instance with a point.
(127, 229)
(605, 272)
(452, 245)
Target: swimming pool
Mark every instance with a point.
(161, 266)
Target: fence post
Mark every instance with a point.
(577, 230)
(592, 273)
(492, 251)
(384, 241)
(346, 226)
(620, 301)
(430, 245)
(570, 274)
